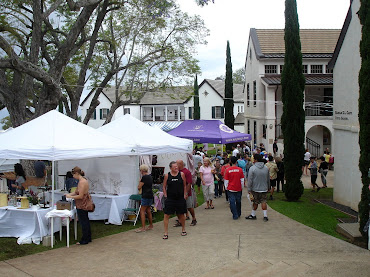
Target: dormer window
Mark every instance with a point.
(316, 69)
(270, 69)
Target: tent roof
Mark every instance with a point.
(148, 140)
(55, 136)
(208, 131)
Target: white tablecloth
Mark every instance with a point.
(107, 207)
(23, 223)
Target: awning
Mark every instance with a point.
(323, 79)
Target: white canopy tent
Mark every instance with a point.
(55, 137)
(147, 140)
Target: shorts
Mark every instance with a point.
(313, 179)
(147, 201)
(306, 162)
(273, 182)
(190, 202)
(259, 197)
(199, 181)
(173, 206)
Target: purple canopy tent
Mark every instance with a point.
(208, 131)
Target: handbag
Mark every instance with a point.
(88, 204)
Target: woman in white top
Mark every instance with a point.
(306, 161)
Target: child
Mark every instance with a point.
(313, 170)
(199, 181)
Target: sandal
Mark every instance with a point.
(149, 228)
(193, 222)
(183, 233)
(177, 224)
(207, 208)
(165, 236)
(187, 218)
(212, 207)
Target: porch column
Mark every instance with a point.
(165, 113)
(178, 113)
(153, 113)
(270, 117)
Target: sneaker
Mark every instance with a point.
(271, 198)
(265, 219)
(251, 217)
(318, 189)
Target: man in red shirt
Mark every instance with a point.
(234, 182)
(190, 203)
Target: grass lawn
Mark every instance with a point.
(309, 212)
(9, 248)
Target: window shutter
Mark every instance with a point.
(101, 113)
(222, 112)
(213, 112)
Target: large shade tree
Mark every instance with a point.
(48, 50)
(293, 118)
(364, 113)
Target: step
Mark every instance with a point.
(349, 230)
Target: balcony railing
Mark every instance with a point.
(163, 118)
(318, 109)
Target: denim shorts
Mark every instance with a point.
(146, 201)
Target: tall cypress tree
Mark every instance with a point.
(293, 118)
(364, 112)
(196, 99)
(229, 93)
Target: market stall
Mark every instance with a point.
(56, 137)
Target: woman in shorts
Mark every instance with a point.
(147, 198)
(174, 192)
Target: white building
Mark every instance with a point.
(263, 106)
(347, 62)
(169, 108)
(211, 101)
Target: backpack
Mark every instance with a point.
(331, 160)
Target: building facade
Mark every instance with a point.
(263, 94)
(347, 63)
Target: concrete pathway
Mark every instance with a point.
(217, 246)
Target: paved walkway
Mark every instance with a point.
(217, 246)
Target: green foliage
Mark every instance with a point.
(6, 122)
(364, 113)
(293, 118)
(196, 99)
(309, 212)
(229, 93)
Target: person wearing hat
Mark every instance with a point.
(313, 171)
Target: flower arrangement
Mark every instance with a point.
(33, 198)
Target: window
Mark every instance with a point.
(316, 68)
(218, 112)
(242, 109)
(191, 113)
(238, 109)
(264, 130)
(281, 68)
(93, 116)
(126, 110)
(104, 113)
(254, 94)
(305, 69)
(255, 132)
(270, 69)
(249, 127)
(248, 95)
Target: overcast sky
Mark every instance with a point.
(232, 19)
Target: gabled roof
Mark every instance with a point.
(239, 119)
(175, 95)
(342, 35)
(269, 43)
(219, 87)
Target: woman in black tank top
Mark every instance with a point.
(174, 187)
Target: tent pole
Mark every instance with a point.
(52, 182)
